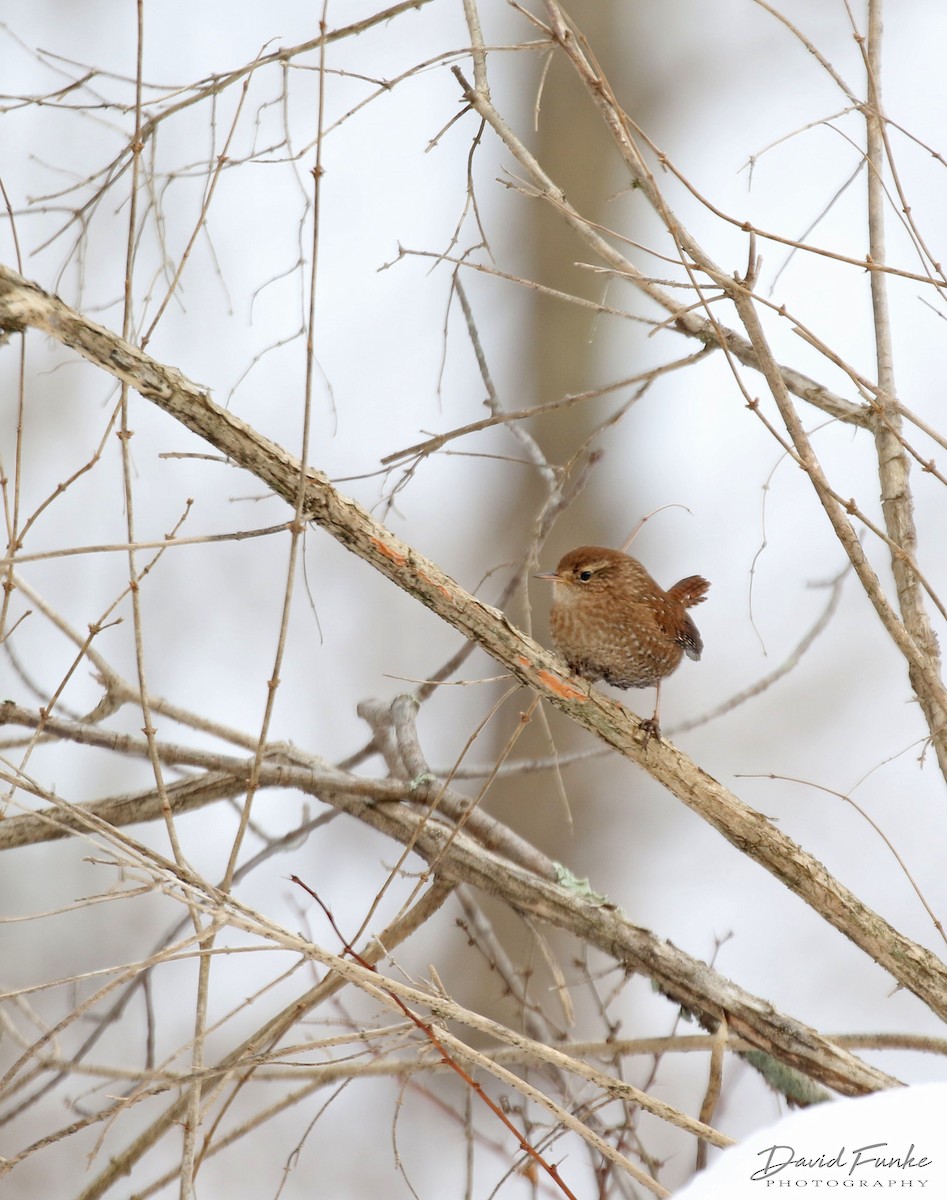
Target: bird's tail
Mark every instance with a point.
(690, 591)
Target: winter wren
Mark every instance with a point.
(611, 621)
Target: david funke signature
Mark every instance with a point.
(778, 1158)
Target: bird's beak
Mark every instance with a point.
(548, 576)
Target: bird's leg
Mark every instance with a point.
(651, 726)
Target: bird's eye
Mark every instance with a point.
(585, 576)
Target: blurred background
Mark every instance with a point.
(758, 129)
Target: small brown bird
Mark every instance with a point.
(611, 621)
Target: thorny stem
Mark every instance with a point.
(188, 1151)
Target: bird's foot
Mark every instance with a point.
(651, 729)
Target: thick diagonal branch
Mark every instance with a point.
(25, 305)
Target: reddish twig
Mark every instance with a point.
(427, 1029)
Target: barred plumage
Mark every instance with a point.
(610, 620)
